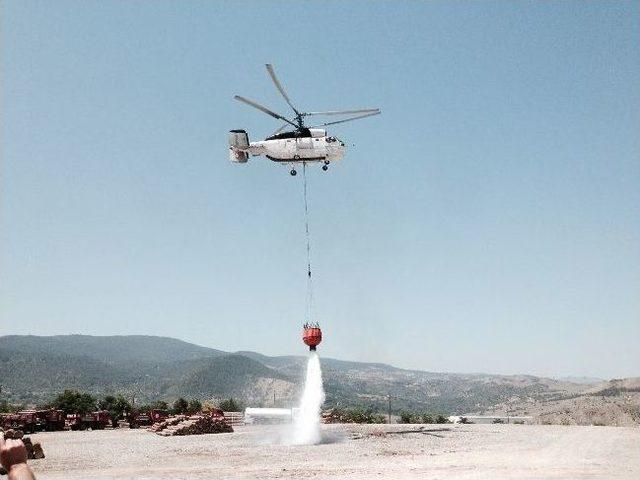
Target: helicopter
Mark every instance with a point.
(302, 144)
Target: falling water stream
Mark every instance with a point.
(307, 424)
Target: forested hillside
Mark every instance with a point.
(33, 369)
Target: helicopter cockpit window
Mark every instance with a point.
(331, 139)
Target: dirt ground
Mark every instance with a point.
(362, 452)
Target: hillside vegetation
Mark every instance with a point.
(616, 402)
(33, 369)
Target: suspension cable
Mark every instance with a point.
(309, 305)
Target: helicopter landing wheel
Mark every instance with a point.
(326, 162)
(293, 173)
(325, 167)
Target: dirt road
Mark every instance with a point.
(362, 452)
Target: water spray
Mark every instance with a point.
(307, 423)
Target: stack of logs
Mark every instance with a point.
(34, 450)
(191, 425)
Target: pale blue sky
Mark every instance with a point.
(488, 220)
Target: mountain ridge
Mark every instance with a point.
(34, 368)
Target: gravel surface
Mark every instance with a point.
(363, 452)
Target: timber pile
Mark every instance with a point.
(169, 422)
(234, 418)
(34, 450)
(191, 425)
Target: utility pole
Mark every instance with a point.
(274, 398)
(389, 407)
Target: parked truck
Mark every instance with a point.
(146, 418)
(30, 421)
(94, 420)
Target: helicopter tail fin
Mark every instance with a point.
(238, 143)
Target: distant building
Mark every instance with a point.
(269, 415)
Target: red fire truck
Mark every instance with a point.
(94, 420)
(30, 421)
(145, 418)
(10, 420)
(44, 420)
(158, 415)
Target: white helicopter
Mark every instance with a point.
(302, 144)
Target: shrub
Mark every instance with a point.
(230, 405)
(441, 419)
(194, 406)
(406, 417)
(359, 415)
(180, 406)
(427, 418)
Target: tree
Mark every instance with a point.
(6, 407)
(180, 406)
(194, 406)
(441, 419)
(427, 418)
(73, 401)
(229, 405)
(406, 417)
(116, 406)
(159, 405)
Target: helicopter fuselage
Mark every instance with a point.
(302, 144)
(306, 145)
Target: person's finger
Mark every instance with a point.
(18, 450)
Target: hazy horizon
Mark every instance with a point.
(486, 221)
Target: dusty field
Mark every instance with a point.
(374, 451)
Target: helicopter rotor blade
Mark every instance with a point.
(264, 109)
(343, 112)
(284, 125)
(347, 119)
(278, 85)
